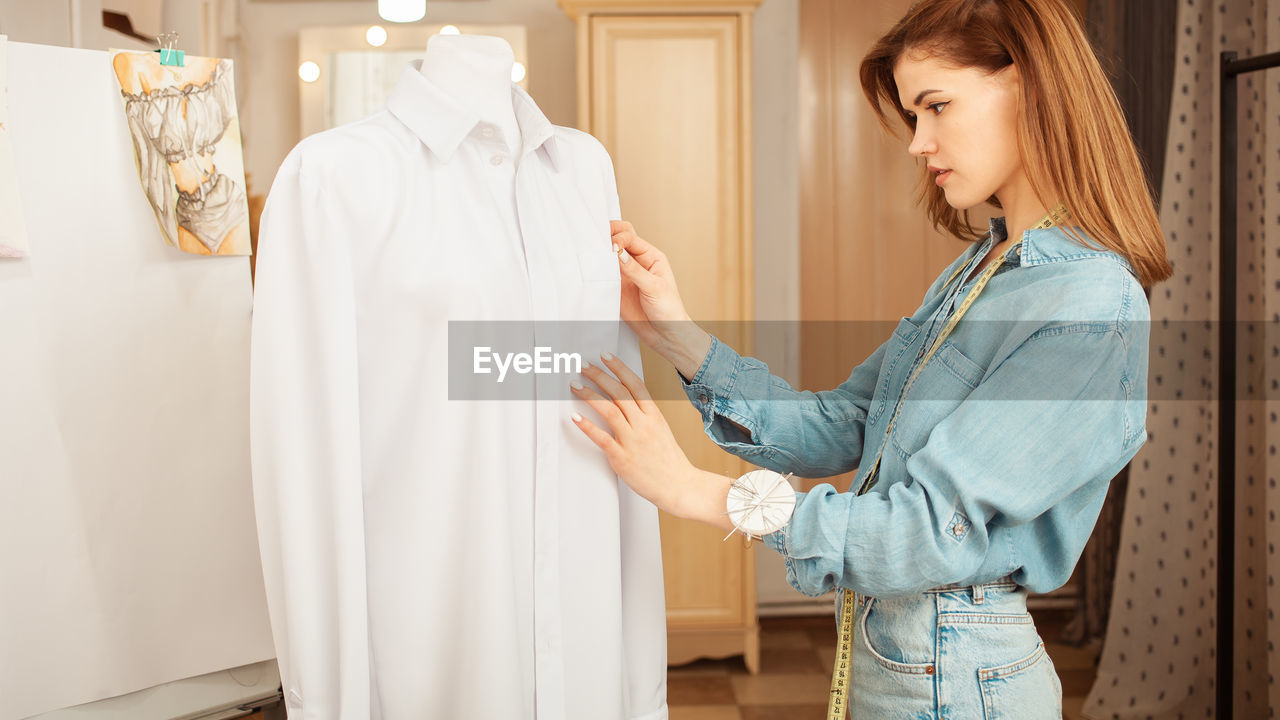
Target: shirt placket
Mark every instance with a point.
(547, 621)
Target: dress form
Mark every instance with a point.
(475, 70)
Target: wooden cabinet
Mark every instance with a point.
(666, 86)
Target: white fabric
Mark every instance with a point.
(428, 557)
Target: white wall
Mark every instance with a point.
(46, 23)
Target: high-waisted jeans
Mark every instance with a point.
(953, 653)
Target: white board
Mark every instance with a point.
(128, 551)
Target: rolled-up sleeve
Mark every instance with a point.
(1033, 447)
(759, 417)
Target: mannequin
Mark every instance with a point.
(428, 555)
(475, 70)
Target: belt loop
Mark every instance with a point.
(979, 594)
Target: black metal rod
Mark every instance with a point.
(1230, 68)
(1234, 67)
(1226, 390)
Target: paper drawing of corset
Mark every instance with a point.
(211, 212)
(173, 125)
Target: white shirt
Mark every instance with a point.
(428, 557)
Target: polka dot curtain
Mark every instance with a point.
(1159, 657)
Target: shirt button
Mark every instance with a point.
(487, 132)
(702, 397)
(495, 160)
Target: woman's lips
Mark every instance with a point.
(942, 177)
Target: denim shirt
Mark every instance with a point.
(1000, 457)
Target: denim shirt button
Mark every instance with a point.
(702, 397)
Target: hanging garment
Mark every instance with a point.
(430, 556)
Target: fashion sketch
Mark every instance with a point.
(186, 142)
(13, 234)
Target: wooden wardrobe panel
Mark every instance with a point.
(667, 92)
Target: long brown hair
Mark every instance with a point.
(1071, 130)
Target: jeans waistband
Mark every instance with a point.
(1006, 581)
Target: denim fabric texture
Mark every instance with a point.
(1000, 458)
(966, 653)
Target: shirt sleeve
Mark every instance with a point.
(1038, 447)
(644, 608)
(757, 416)
(305, 450)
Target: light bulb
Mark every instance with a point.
(402, 11)
(450, 30)
(517, 72)
(309, 71)
(376, 36)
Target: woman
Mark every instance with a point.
(984, 448)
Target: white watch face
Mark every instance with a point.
(761, 502)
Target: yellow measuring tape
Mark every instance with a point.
(841, 674)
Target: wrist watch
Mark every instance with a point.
(760, 502)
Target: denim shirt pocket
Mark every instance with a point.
(942, 385)
(902, 337)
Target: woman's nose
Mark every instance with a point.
(922, 143)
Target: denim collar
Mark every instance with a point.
(1049, 245)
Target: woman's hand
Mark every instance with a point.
(643, 451)
(651, 302)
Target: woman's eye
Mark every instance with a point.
(936, 107)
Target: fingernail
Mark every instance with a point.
(575, 384)
(577, 417)
(606, 357)
(616, 248)
(624, 257)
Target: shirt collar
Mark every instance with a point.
(1053, 244)
(442, 124)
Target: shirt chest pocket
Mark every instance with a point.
(901, 340)
(600, 282)
(938, 390)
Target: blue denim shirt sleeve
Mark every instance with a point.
(1009, 454)
(760, 418)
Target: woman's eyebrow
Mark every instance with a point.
(922, 94)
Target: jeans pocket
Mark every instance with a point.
(906, 668)
(1025, 689)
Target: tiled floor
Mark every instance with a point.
(795, 662)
